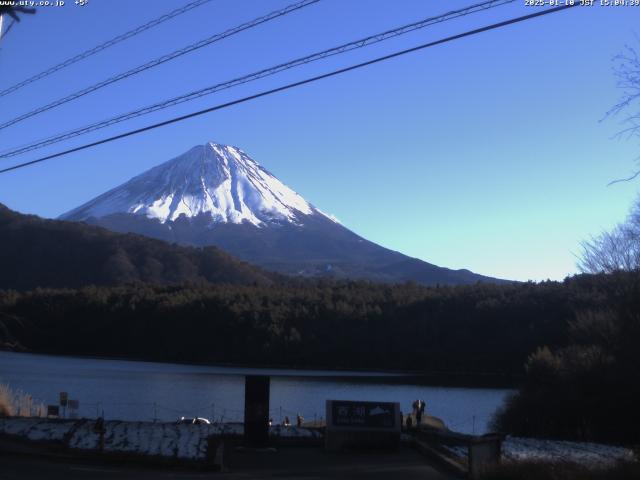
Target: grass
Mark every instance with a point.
(16, 403)
(561, 471)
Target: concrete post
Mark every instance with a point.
(256, 410)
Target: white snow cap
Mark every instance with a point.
(218, 179)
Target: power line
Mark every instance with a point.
(363, 42)
(105, 45)
(296, 84)
(163, 59)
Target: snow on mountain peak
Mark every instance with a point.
(220, 180)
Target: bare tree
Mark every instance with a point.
(616, 250)
(626, 69)
(619, 249)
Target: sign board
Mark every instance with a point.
(64, 396)
(362, 425)
(73, 404)
(53, 411)
(354, 415)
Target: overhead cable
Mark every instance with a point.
(363, 42)
(289, 86)
(160, 60)
(104, 46)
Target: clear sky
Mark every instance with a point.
(487, 153)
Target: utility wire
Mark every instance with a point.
(363, 42)
(104, 46)
(296, 84)
(163, 59)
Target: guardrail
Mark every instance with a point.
(467, 455)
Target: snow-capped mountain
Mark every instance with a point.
(217, 195)
(213, 179)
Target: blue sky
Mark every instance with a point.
(487, 153)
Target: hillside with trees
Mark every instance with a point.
(571, 345)
(35, 252)
(470, 330)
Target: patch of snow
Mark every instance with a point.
(457, 450)
(516, 449)
(84, 438)
(213, 179)
(295, 432)
(37, 429)
(184, 441)
(594, 454)
(329, 216)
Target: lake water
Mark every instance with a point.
(132, 390)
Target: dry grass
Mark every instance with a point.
(19, 404)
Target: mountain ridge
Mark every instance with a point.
(215, 194)
(217, 179)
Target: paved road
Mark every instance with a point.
(305, 463)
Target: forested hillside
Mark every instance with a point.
(477, 329)
(49, 253)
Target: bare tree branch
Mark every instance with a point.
(628, 179)
(615, 250)
(626, 70)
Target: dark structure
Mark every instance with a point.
(13, 11)
(362, 425)
(256, 410)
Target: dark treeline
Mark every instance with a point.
(484, 328)
(588, 389)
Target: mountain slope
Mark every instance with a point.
(48, 253)
(217, 195)
(219, 180)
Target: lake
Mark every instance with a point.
(134, 390)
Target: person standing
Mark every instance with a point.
(419, 412)
(409, 422)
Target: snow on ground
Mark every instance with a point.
(183, 441)
(35, 428)
(457, 450)
(594, 454)
(532, 449)
(293, 432)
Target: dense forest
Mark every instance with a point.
(477, 329)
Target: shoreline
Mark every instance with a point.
(435, 379)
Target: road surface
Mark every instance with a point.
(292, 463)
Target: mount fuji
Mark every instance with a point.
(217, 195)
